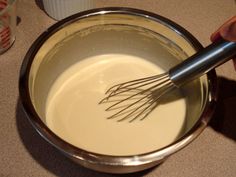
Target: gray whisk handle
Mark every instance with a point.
(203, 61)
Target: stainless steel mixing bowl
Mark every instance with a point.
(112, 30)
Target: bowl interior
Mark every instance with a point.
(113, 33)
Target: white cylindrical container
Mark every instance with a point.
(59, 9)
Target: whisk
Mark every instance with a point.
(134, 100)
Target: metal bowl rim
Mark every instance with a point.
(95, 158)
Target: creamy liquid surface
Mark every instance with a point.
(73, 113)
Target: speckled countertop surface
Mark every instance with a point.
(24, 153)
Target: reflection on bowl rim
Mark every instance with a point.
(108, 163)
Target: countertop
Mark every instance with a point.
(23, 152)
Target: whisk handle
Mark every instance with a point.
(200, 63)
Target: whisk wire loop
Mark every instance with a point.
(128, 85)
(143, 110)
(137, 98)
